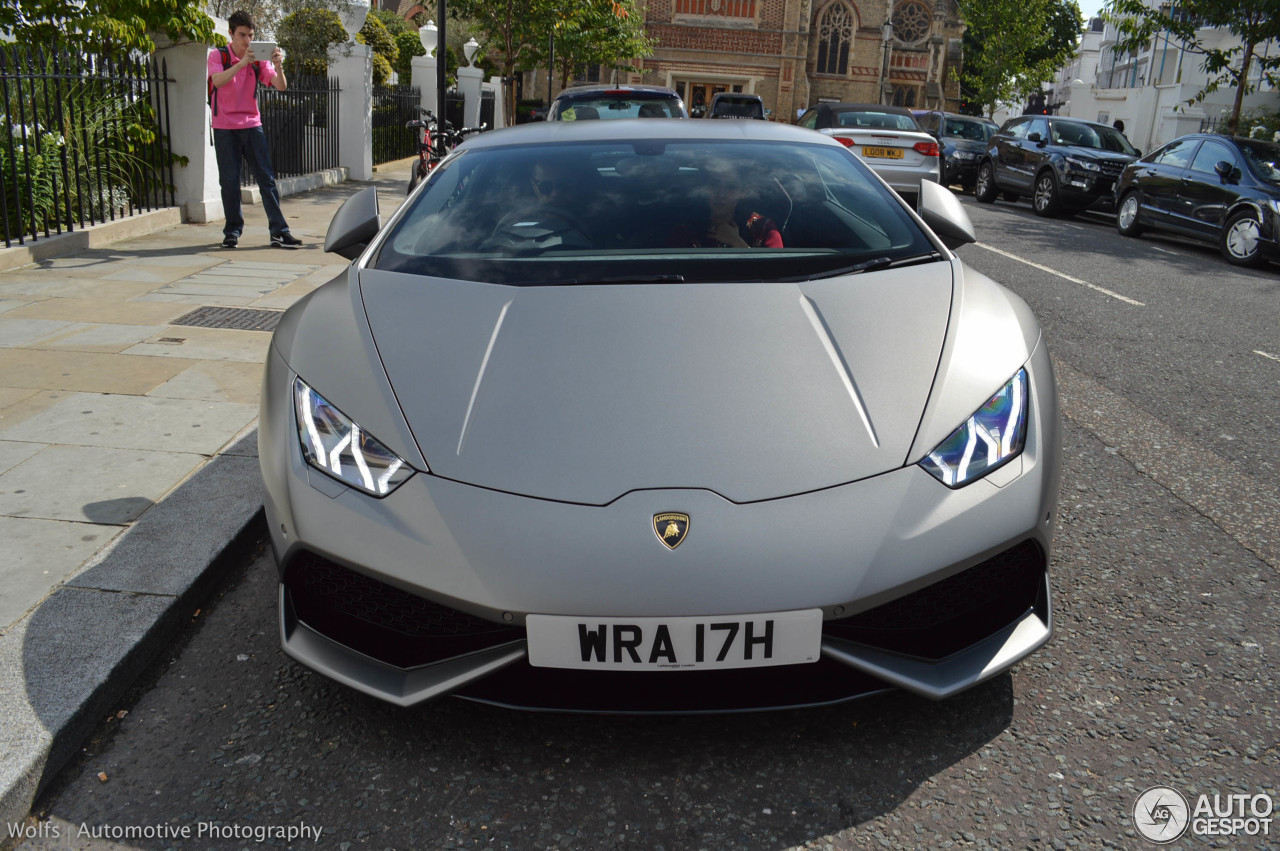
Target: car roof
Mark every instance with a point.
(864, 107)
(658, 129)
(736, 96)
(600, 89)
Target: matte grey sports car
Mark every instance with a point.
(659, 416)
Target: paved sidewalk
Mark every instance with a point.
(128, 457)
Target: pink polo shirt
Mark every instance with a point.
(237, 108)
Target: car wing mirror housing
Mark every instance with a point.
(945, 215)
(354, 225)
(1228, 172)
(1033, 137)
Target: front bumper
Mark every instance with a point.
(489, 559)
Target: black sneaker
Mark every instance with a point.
(230, 241)
(285, 240)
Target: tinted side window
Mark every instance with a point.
(1177, 154)
(1040, 126)
(1211, 153)
(928, 122)
(810, 119)
(1017, 128)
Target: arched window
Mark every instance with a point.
(835, 34)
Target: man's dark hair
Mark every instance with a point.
(239, 18)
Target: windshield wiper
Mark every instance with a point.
(875, 264)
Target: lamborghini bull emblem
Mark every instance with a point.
(671, 528)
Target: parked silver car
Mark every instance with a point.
(659, 417)
(888, 138)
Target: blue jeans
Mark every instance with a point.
(250, 143)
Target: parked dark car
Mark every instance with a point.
(963, 141)
(1217, 188)
(580, 103)
(736, 105)
(1064, 165)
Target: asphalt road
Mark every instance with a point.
(1163, 669)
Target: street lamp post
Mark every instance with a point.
(886, 33)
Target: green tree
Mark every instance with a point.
(306, 36)
(600, 32)
(1253, 22)
(1013, 47)
(408, 46)
(392, 21)
(385, 51)
(101, 25)
(515, 30)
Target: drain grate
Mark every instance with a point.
(237, 318)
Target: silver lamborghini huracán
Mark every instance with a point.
(666, 417)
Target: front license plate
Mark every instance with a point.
(883, 153)
(648, 644)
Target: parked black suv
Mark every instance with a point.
(963, 140)
(1064, 164)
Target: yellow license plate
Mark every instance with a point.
(883, 153)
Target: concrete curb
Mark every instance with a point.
(293, 185)
(93, 236)
(64, 666)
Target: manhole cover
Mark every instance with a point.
(237, 318)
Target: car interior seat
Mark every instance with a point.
(652, 110)
(585, 113)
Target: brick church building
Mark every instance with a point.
(795, 53)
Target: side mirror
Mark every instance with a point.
(1033, 137)
(354, 225)
(945, 215)
(1138, 151)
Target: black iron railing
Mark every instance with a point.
(488, 100)
(83, 139)
(392, 107)
(301, 126)
(455, 105)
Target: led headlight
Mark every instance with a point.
(994, 434)
(1082, 165)
(333, 443)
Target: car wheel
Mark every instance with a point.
(1127, 216)
(984, 187)
(1046, 201)
(1241, 239)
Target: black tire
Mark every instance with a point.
(1046, 201)
(984, 186)
(1240, 240)
(419, 172)
(1128, 214)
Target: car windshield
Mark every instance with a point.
(1095, 136)
(977, 131)
(876, 120)
(618, 106)
(651, 211)
(1263, 159)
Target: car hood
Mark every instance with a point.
(965, 144)
(582, 394)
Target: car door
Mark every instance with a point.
(1007, 152)
(1203, 195)
(1033, 152)
(1160, 180)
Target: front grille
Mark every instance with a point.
(382, 621)
(1112, 169)
(953, 614)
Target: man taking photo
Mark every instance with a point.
(234, 74)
